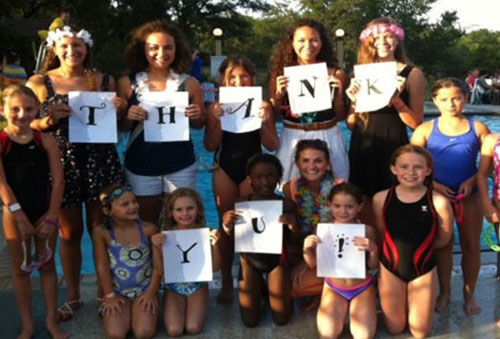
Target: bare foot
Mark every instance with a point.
(55, 331)
(26, 333)
(225, 296)
(441, 302)
(471, 307)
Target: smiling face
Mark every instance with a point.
(306, 44)
(20, 110)
(71, 51)
(160, 50)
(385, 45)
(264, 178)
(450, 101)
(184, 212)
(125, 207)
(344, 208)
(239, 77)
(312, 164)
(411, 169)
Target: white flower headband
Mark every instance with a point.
(382, 28)
(66, 32)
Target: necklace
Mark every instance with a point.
(87, 74)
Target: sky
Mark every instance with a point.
(472, 14)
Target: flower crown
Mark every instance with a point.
(382, 28)
(66, 31)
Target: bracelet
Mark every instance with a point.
(110, 295)
(51, 222)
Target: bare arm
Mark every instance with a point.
(213, 131)
(103, 269)
(378, 210)
(412, 114)
(216, 256)
(268, 133)
(485, 168)
(57, 174)
(150, 230)
(195, 110)
(339, 106)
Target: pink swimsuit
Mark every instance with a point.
(496, 166)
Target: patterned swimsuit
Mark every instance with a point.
(496, 167)
(88, 168)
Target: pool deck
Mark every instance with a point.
(431, 109)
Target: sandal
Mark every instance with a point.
(67, 310)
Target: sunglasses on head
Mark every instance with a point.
(116, 193)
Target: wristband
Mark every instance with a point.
(51, 222)
(14, 207)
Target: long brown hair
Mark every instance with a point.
(135, 57)
(283, 54)
(368, 54)
(230, 63)
(51, 61)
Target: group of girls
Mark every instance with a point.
(411, 211)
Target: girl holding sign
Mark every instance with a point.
(264, 171)
(413, 221)
(454, 142)
(31, 189)
(309, 191)
(307, 43)
(158, 59)
(87, 167)
(376, 135)
(339, 295)
(185, 305)
(124, 264)
(232, 151)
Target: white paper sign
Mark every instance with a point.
(92, 118)
(187, 256)
(167, 119)
(308, 88)
(378, 84)
(241, 107)
(336, 255)
(257, 229)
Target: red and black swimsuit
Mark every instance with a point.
(410, 231)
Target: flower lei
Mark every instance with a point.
(66, 31)
(313, 209)
(141, 86)
(382, 28)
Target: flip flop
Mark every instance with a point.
(67, 310)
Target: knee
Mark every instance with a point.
(395, 327)
(281, 318)
(363, 333)
(48, 267)
(420, 331)
(194, 328)
(329, 332)
(141, 332)
(116, 333)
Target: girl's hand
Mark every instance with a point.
(112, 306)
(335, 82)
(45, 228)
(25, 226)
(492, 214)
(353, 90)
(218, 112)
(264, 111)
(467, 186)
(119, 103)
(149, 302)
(214, 237)
(446, 191)
(400, 84)
(194, 112)
(59, 111)
(281, 86)
(311, 242)
(137, 113)
(364, 244)
(228, 220)
(158, 239)
(289, 220)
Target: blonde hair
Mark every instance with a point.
(409, 148)
(16, 90)
(167, 220)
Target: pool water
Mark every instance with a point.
(204, 184)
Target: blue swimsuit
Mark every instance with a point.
(131, 267)
(454, 156)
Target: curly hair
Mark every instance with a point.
(230, 63)
(264, 158)
(283, 54)
(368, 54)
(135, 58)
(51, 61)
(167, 220)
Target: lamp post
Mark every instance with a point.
(339, 35)
(217, 32)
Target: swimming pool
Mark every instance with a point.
(204, 184)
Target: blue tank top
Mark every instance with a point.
(131, 267)
(454, 156)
